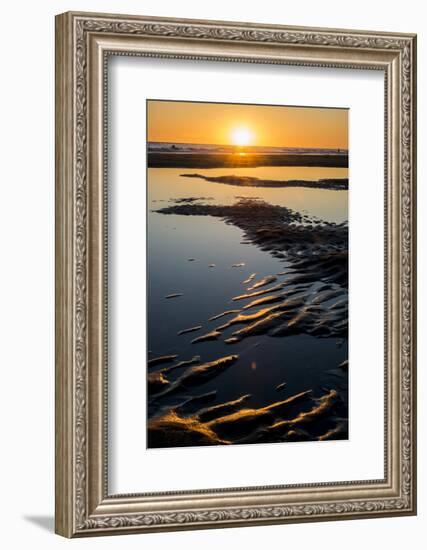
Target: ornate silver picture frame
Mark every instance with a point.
(84, 505)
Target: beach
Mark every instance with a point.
(247, 299)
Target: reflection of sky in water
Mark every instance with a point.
(166, 183)
(300, 361)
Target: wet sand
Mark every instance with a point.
(236, 160)
(337, 184)
(300, 417)
(279, 230)
(309, 297)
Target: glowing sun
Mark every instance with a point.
(241, 136)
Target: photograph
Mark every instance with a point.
(247, 273)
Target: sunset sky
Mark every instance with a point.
(234, 124)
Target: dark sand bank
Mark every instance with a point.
(241, 160)
(277, 229)
(246, 181)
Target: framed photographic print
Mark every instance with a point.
(235, 274)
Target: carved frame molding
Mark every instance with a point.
(83, 43)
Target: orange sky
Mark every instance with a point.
(275, 126)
